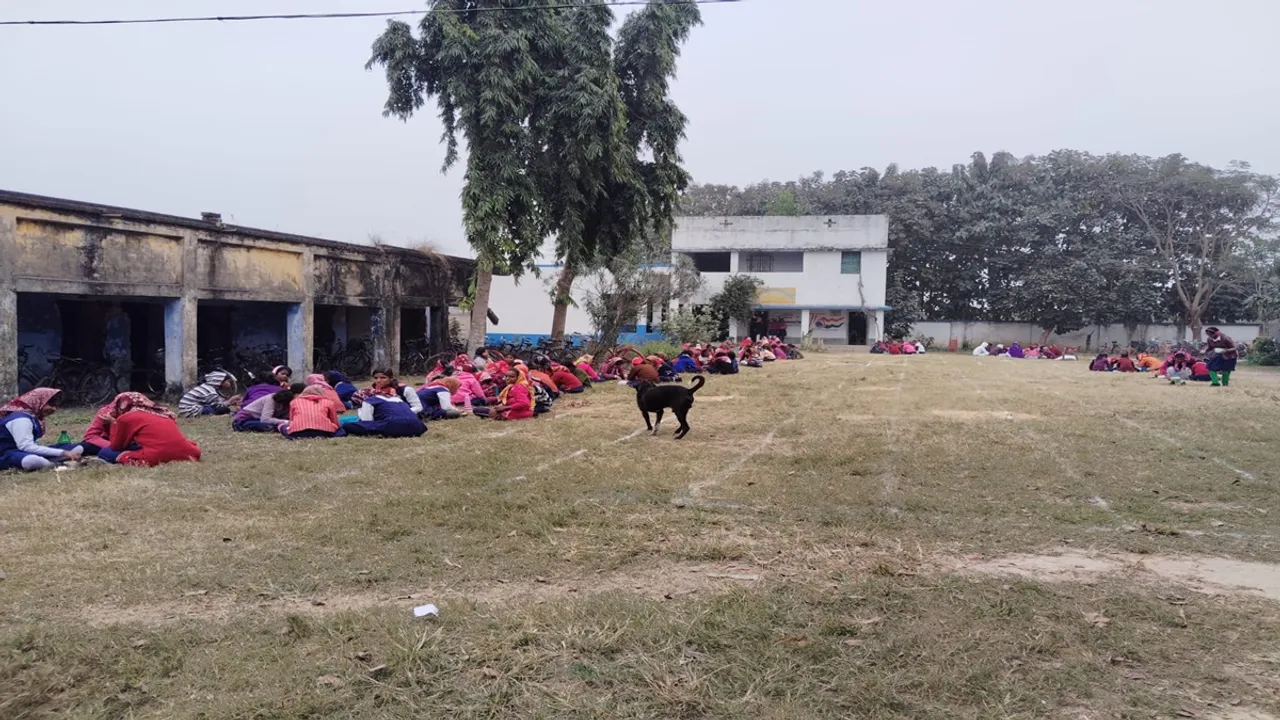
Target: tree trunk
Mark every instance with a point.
(1195, 329)
(480, 306)
(563, 287)
(1044, 335)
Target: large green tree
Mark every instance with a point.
(482, 69)
(1197, 220)
(611, 133)
(1062, 240)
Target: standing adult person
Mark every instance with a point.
(1222, 354)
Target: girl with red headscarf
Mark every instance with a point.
(145, 434)
(22, 424)
(97, 437)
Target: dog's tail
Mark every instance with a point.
(698, 382)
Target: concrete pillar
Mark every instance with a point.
(8, 309)
(805, 328)
(384, 336)
(733, 329)
(300, 337)
(180, 346)
(876, 333)
(180, 343)
(300, 330)
(733, 261)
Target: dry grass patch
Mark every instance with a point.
(781, 561)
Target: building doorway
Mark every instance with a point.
(857, 328)
(759, 324)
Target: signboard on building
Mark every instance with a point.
(829, 321)
(776, 296)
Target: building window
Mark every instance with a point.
(771, 262)
(851, 263)
(717, 262)
(759, 262)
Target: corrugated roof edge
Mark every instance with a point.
(51, 203)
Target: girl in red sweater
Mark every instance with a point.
(145, 434)
(516, 400)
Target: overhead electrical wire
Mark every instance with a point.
(344, 15)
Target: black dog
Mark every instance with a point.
(656, 398)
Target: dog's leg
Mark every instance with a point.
(648, 425)
(657, 422)
(681, 415)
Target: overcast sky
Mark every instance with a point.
(277, 125)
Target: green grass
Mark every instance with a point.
(802, 553)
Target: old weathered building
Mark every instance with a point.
(149, 292)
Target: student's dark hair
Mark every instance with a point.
(284, 397)
(333, 377)
(286, 368)
(383, 371)
(297, 388)
(1212, 329)
(446, 370)
(482, 351)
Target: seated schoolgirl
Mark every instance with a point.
(686, 363)
(318, 380)
(267, 413)
(567, 381)
(471, 390)
(436, 396)
(97, 437)
(586, 365)
(312, 415)
(641, 372)
(515, 402)
(146, 434)
(384, 415)
(541, 375)
(1200, 371)
(341, 385)
(1101, 363)
(22, 424)
(210, 397)
(281, 376)
(385, 383)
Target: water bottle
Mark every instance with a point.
(64, 438)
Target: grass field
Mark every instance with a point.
(843, 536)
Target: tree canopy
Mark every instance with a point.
(570, 134)
(1062, 240)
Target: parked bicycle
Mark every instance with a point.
(82, 382)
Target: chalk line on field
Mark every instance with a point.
(1216, 460)
(575, 454)
(552, 463)
(694, 491)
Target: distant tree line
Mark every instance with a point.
(1063, 240)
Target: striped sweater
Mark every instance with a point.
(205, 395)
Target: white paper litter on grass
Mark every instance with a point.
(425, 610)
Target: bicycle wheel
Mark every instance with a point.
(96, 387)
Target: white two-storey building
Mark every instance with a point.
(822, 275)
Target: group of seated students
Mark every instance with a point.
(715, 359)
(898, 346)
(1033, 351)
(1177, 368)
(319, 407)
(130, 430)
